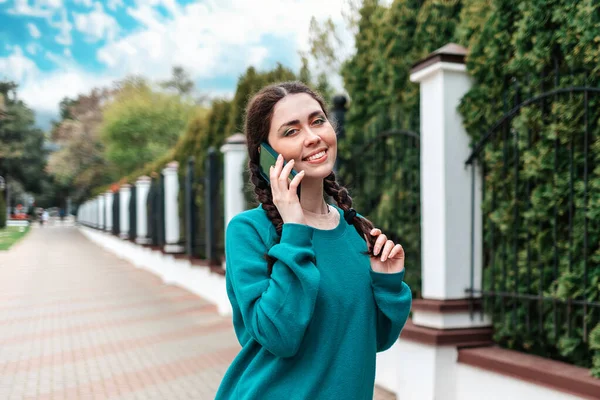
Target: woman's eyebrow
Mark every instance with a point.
(294, 122)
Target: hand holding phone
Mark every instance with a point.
(285, 193)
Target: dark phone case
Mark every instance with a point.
(268, 157)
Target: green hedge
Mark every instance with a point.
(525, 40)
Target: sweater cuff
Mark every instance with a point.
(297, 234)
(388, 282)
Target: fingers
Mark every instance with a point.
(379, 243)
(397, 251)
(285, 174)
(296, 181)
(387, 248)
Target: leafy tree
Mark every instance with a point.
(180, 82)
(80, 163)
(22, 155)
(140, 125)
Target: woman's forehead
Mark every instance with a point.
(295, 106)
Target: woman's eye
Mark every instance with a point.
(319, 121)
(290, 132)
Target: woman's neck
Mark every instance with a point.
(311, 196)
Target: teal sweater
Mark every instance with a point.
(311, 330)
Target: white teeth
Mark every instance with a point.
(318, 155)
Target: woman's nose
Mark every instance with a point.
(312, 138)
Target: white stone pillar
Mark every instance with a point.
(235, 153)
(101, 211)
(171, 181)
(445, 181)
(108, 204)
(94, 210)
(445, 237)
(142, 186)
(124, 195)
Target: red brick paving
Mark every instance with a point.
(80, 323)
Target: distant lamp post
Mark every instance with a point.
(339, 116)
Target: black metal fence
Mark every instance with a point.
(116, 220)
(540, 235)
(133, 213)
(382, 175)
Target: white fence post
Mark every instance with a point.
(108, 204)
(142, 188)
(445, 180)
(235, 153)
(124, 195)
(172, 208)
(445, 235)
(101, 210)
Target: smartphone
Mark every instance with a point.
(268, 157)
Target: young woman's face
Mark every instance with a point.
(301, 132)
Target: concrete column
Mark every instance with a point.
(124, 195)
(172, 208)
(108, 204)
(445, 182)
(142, 186)
(235, 153)
(445, 237)
(94, 210)
(101, 211)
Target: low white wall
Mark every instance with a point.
(198, 280)
(476, 384)
(416, 371)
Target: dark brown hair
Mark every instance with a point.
(259, 114)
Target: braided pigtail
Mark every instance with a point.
(263, 195)
(341, 196)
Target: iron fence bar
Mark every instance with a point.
(516, 212)
(190, 208)
(511, 113)
(527, 208)
(585, 208)
(505, 128)
(472, 259)
(540, 262)
(211, 173)
(555, 184)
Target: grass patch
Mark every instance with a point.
(11, 235)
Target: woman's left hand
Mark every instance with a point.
(389, 257)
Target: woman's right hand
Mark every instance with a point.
(285, 197)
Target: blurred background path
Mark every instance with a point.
(79, 323)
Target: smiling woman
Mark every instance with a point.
(313, 299)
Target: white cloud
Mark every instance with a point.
(43, 91)
(64, 27)
(96, 25)
(18, 67)
(33, 30)
(114, 4)
(211, 38)
(40, 8)
(33, 47)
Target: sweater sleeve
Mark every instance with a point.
(394, 299)
(275, 309)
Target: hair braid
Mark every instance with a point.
(341, 196)
(264, 196)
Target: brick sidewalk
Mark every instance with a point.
(79, 323)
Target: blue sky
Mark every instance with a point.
(58, 48)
